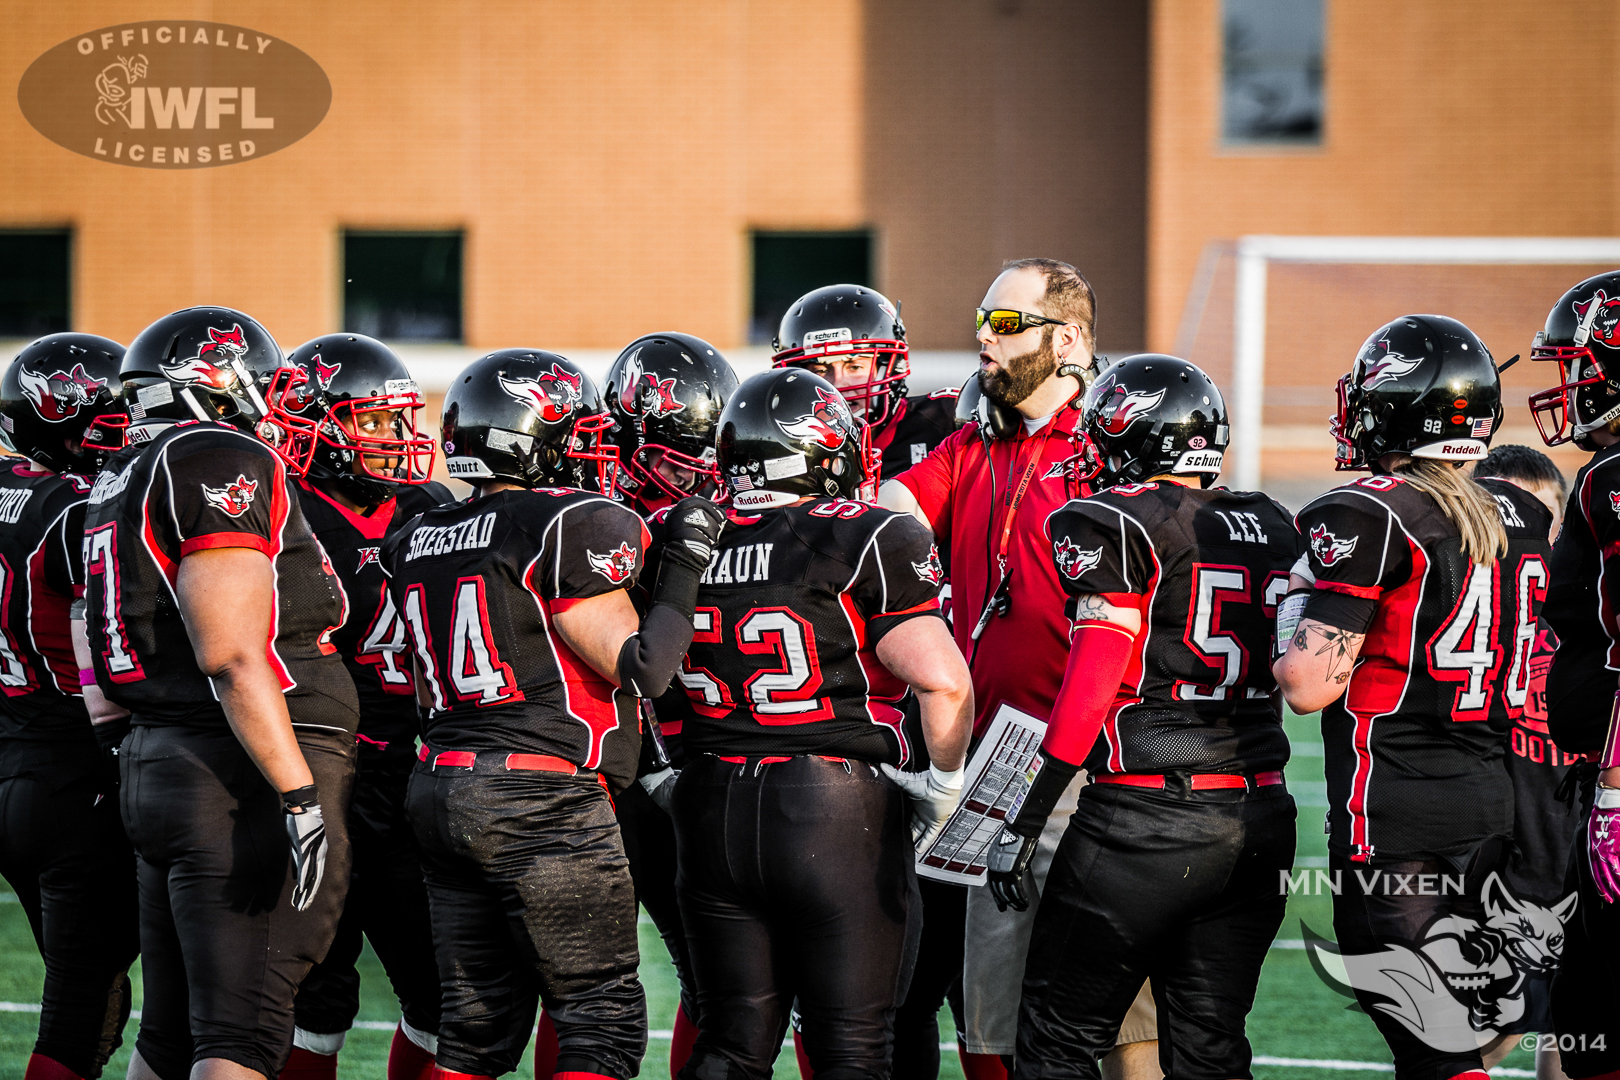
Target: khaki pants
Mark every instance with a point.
(997, 941)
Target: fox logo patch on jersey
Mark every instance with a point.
(233, 499)
(554, 395)
(1328, 548)
(930, 569)
(1072, 561)
(616, 565)
(59, 395)
(1125, 406)
(1392, 365)
(828, 424)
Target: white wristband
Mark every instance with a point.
(946, 781)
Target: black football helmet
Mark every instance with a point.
(531, 417)
(60, 402)
(1423, 385)
(329, 418)
(788, 433)
(1582, 337)
(1152, 414)
(200, 363)
(666, 392)
(847, 320)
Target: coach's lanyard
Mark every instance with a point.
(999, 599)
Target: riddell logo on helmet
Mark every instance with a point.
(59, 395)
(1600, 320)
(221, 344)
(826, 424)
(554, 394)
(1390, 366)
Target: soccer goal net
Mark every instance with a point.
(1277, 319)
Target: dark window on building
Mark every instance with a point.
(402, 286)
(36, 282)
(789, 264)
(1273, 71)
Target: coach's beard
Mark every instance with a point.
(1020, 376)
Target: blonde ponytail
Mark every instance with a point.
(1469, 506)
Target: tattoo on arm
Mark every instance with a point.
(1339, 646)
(1090, 606)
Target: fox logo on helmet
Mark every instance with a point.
(1121, 408)
(1073, 560)
(1600, 320)
(59, 395)
(1392, 365)
(324, 374)
(1329, 549)
(234, 499)
(828, 423)
(645, 393)
(221, 344)
(930, 569)
(617, 565)
(555, 394)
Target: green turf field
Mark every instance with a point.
(1295, 1016)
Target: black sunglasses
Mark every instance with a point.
(1005, 323)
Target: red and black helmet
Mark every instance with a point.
(60, 402)
(329, 418)
(1582, 337)
(786, 435)
(666, 392)
(849, 320)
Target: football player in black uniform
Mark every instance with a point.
(665, 392)
(852, 336)
(522, 630)
(353, 441)
(62, 846)
(1168, 870)
(1582, 337)
(211, 608)
(1421, 590)
(796, 868)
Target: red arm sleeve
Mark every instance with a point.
(1098, 654)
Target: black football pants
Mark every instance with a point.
(649, 844)
(222, 948)
(1585, 993)
(796, 879)
(1175, 886)
(63, 849)
(1394, 913)
(531, 901)
(387, 904)
(936, 979)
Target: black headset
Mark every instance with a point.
(997, 421)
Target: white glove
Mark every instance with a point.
(660, 787)
(934, 795)
(306, 833)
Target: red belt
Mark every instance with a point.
(515, 762)
(1200, 781)
(779, 760)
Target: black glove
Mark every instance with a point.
(1008, 863)
(110, 735)
(306, 831)
(691, 529)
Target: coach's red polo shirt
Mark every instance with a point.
(1021, 655)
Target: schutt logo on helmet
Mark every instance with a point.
(59, 395)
